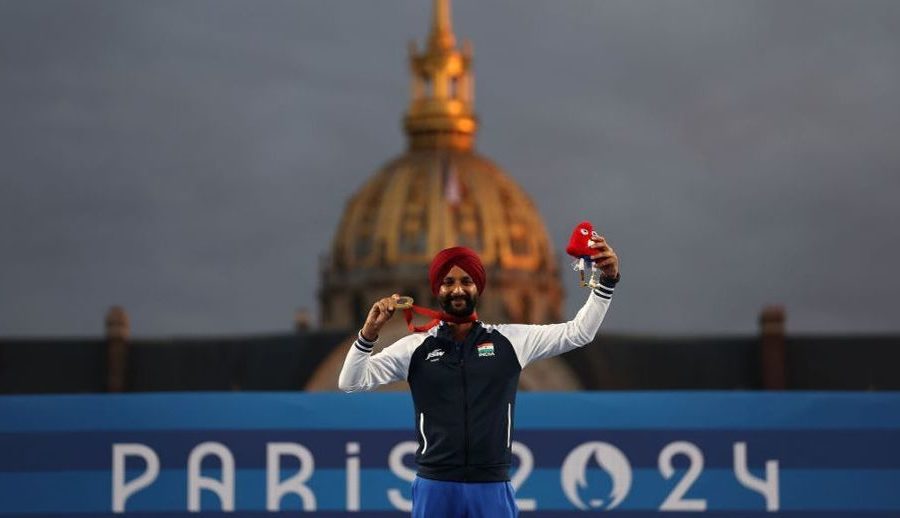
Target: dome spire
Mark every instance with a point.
(440, 113)
(441, 37)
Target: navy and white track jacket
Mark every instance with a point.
(464, 394)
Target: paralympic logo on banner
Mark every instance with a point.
(610, 459)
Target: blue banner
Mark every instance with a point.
(635, 454)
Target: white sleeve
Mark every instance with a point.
(534, 342)
(363, 371)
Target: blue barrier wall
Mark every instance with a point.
(725, 454)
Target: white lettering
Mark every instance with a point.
(276, 489)
(768, 488)
(395, 462)
(224, 488)
(122, 490)
(526, 464)
(353, 476)
(676, 501)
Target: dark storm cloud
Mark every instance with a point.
(190, 160)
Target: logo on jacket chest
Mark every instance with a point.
(434, 355)
(485, 349)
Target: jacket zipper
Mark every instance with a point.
(508, 423)
(462, 365)
(422, 431)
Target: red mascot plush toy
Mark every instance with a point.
(580, 247)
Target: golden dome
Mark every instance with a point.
(428, 200)
(425, 201)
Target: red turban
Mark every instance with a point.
(465, 258)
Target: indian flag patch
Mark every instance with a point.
(486, 349)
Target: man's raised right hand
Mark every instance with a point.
(381, 312)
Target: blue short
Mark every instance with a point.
(440, 499)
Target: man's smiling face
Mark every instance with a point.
(458, 294)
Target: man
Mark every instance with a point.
(463, 375)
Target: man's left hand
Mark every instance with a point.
(605, 258)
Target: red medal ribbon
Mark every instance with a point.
(436, 318)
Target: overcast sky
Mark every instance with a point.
(189, 160)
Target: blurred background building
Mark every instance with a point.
(442, 192)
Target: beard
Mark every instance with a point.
(464, 311)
